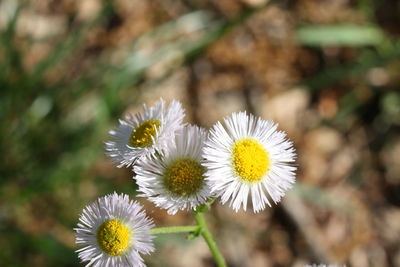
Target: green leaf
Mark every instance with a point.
(194, 234)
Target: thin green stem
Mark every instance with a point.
(206, 234)
(175, 229)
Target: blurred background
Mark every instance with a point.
(326, 70)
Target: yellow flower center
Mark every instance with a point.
(250, 160)
(143, 135)
(113, 237)
(184, 177)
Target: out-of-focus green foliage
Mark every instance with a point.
(51, 131)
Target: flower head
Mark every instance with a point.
(173, 179)
(114, 232)
(142, 134)
(248, 156)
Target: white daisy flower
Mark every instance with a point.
(142, 134)
(173, 179)
(248, 156)
(113, 231)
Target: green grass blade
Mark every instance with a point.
(340, 35)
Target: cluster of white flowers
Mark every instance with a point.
(179, 166)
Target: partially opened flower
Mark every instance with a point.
(114, 232)
(173, 179)
(248, 156)
(142, 134)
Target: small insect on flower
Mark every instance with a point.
(174, 178)
(248, 156)
(142, 134)
(114, 232)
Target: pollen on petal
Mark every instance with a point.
(143, 135)
(113, 237)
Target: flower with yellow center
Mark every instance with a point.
(248, 157)
(144, 133)
(173, 179)
(114, 231)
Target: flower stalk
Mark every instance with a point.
(175, 229)
(206, 234)
(194, 231)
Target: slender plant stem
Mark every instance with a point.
(175, 229)
(206, 234)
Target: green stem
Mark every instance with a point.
(205, 233)
(175, 229)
